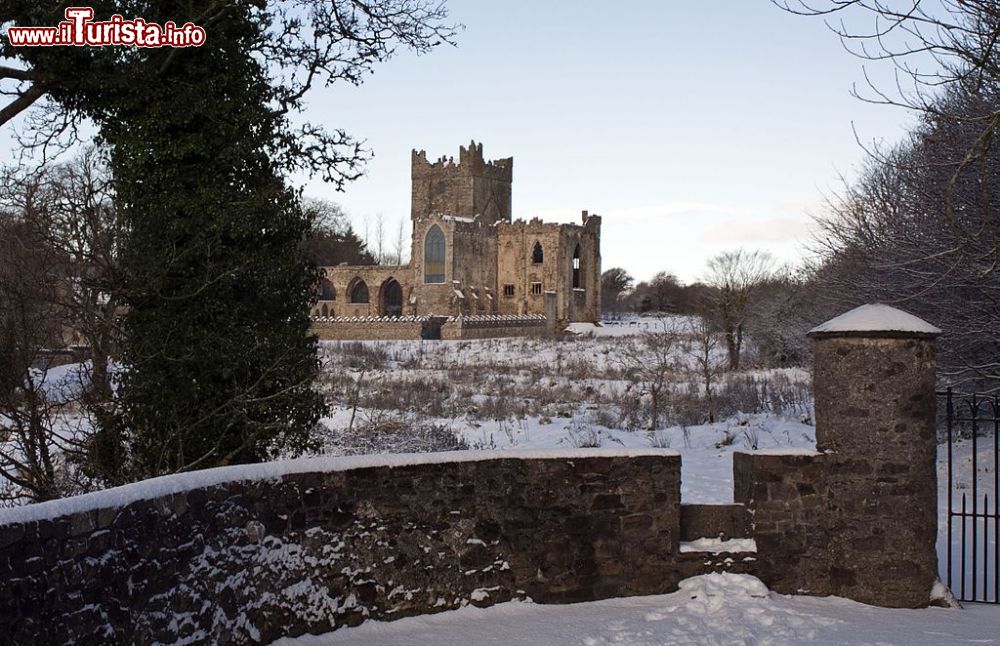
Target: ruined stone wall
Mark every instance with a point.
(489, 327)
(516, 243)
(584, 302)
(436, 298)
(334, 542)
(476, 266)
(368, 328)
(515, 266)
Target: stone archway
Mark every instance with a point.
(391, 298)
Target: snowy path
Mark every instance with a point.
(713, 609)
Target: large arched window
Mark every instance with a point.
(326, 291)
(434, 248)
(537, 256)
(359, 292)
(576, 267)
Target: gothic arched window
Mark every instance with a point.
(537, 256)
(576, 267)
(434, 252)
(359, 292)
(326, 291)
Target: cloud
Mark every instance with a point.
(756, 229)
(670, 210)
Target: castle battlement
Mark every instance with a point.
(537, 225)
(471, 187)
(470, 161)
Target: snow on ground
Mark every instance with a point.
(710, 609)
(706, 449)
(633, 326)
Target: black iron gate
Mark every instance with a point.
(972, 551)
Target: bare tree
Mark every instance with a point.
(332, 240)
(379, 245)
(702, 348)
(886, 238)
(934, 47)
(399, 244)
(305, 43)
(735, 275)
(650, 361)
(64, 219)
(33, 443)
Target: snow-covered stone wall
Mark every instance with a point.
(250, 560)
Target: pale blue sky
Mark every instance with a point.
(692, 127)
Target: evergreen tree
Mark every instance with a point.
(218, 360)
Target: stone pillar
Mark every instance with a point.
(874, 389)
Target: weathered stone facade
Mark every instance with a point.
(479, 261)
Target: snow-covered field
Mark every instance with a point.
(405, 396)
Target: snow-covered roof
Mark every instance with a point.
(876, 319)
(171, 484)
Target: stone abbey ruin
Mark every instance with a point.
(474, 272)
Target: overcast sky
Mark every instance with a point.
(691, 126)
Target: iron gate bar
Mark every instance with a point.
(975, 487)
(982, 409)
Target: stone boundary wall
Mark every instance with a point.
(251, 560)
(368, 328)
(375, 328)
(839, 525)
(487, 326)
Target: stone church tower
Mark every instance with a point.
(470, 188)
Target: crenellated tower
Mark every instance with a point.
(467, 188)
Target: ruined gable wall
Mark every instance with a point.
(515, 245)
(516, 242)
